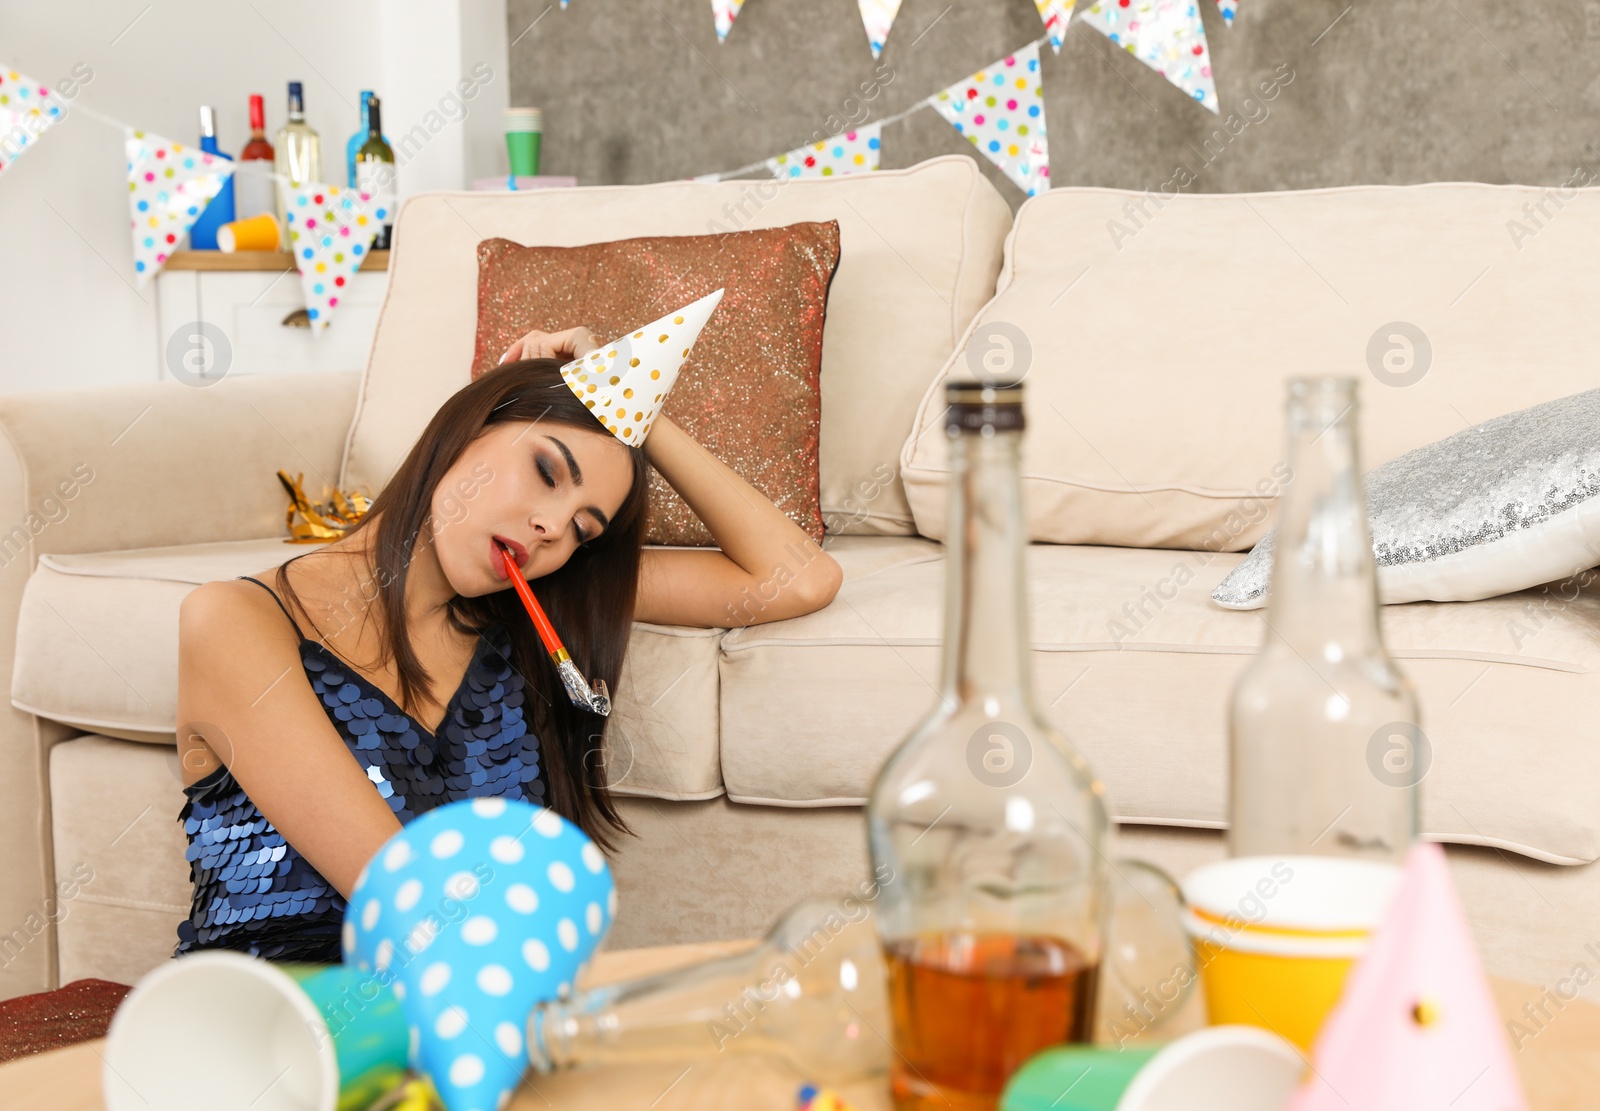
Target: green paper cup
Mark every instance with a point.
(221, 1029)
(524, 128)
(1220, 1068)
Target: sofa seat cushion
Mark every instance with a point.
(97, 648)
(1133, 661)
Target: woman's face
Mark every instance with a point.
(541, 489)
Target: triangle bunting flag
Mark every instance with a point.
(851, 152)
(330, 231)
(27, 110)
(169, 185)
(878, 16)
(1229, 9)
(723, 13)
(1000, 109)
(1056, 15)
(1165, 35)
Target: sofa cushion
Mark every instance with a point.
(1133, 661)
(919, 251)
(1161, 329)
(97, 647)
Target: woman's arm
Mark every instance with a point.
(242, 692)
(768, 569)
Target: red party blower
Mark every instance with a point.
(595, 699)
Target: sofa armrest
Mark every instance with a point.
(165, 463)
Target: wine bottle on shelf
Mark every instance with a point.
(254, 193)
(203, 234)
(1326, 753)
(357, 140)
(375, 173)
(298, 158)
(992, 826)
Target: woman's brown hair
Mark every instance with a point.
(590, 599)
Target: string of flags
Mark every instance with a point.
(999, 110)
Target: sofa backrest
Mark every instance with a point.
(1162, 330)
(920, 249)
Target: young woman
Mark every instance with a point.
(323, 704)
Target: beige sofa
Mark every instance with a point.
(1157, 355)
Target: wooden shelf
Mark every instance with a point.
(255, 260)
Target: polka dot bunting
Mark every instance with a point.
(1229, 9)
(1000, 109)
(850, 152)
(878, 16)
(478, 910)
(27, 110)
(723, 13)
(330, 231)
(625, 382)
(1056, 15)
(169, 185)
(1165, 35)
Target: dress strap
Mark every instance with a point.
(275, 598)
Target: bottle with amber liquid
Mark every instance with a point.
(991, 824)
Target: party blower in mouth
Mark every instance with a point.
(594, 699)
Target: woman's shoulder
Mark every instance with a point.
(226, 612)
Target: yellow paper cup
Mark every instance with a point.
(1274, 937)
(259, 233)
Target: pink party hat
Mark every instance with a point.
(1416, 1028)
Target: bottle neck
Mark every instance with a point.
(297, 109)
(1324, 583)
(374, 122)
(986, 654)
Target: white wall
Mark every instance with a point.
(70, 313)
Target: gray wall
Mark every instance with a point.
(1391, 91)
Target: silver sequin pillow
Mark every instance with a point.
(1505, 505)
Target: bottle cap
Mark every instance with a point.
(258, 112)
(975, 404)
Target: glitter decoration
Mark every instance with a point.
(169, 185)
(1000, 109)
(330, 231)
(1165, 35)
(1505, 505)
(1056, 15)
(1229, 9)
(877, 16)
(723, 13)
(254, 892)
(850, 152)
(75, 1012)
(749, 392)
(27, 110)
(477, 912)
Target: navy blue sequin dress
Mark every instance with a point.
(254, 892)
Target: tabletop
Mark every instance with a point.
(1558, 1057)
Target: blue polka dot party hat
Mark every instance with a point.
(474, 913)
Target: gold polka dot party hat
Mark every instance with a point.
(625, 382)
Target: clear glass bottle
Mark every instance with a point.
(1326, 751)
(811, 993)
(990, 823)
(298, 151)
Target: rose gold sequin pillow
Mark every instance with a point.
(749, 391)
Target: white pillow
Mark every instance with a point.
(1505, 505)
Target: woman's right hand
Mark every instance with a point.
(570, 344)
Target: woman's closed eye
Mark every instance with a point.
(547, 472)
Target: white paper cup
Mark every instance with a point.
(216, 1031)
(1220, 1068)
